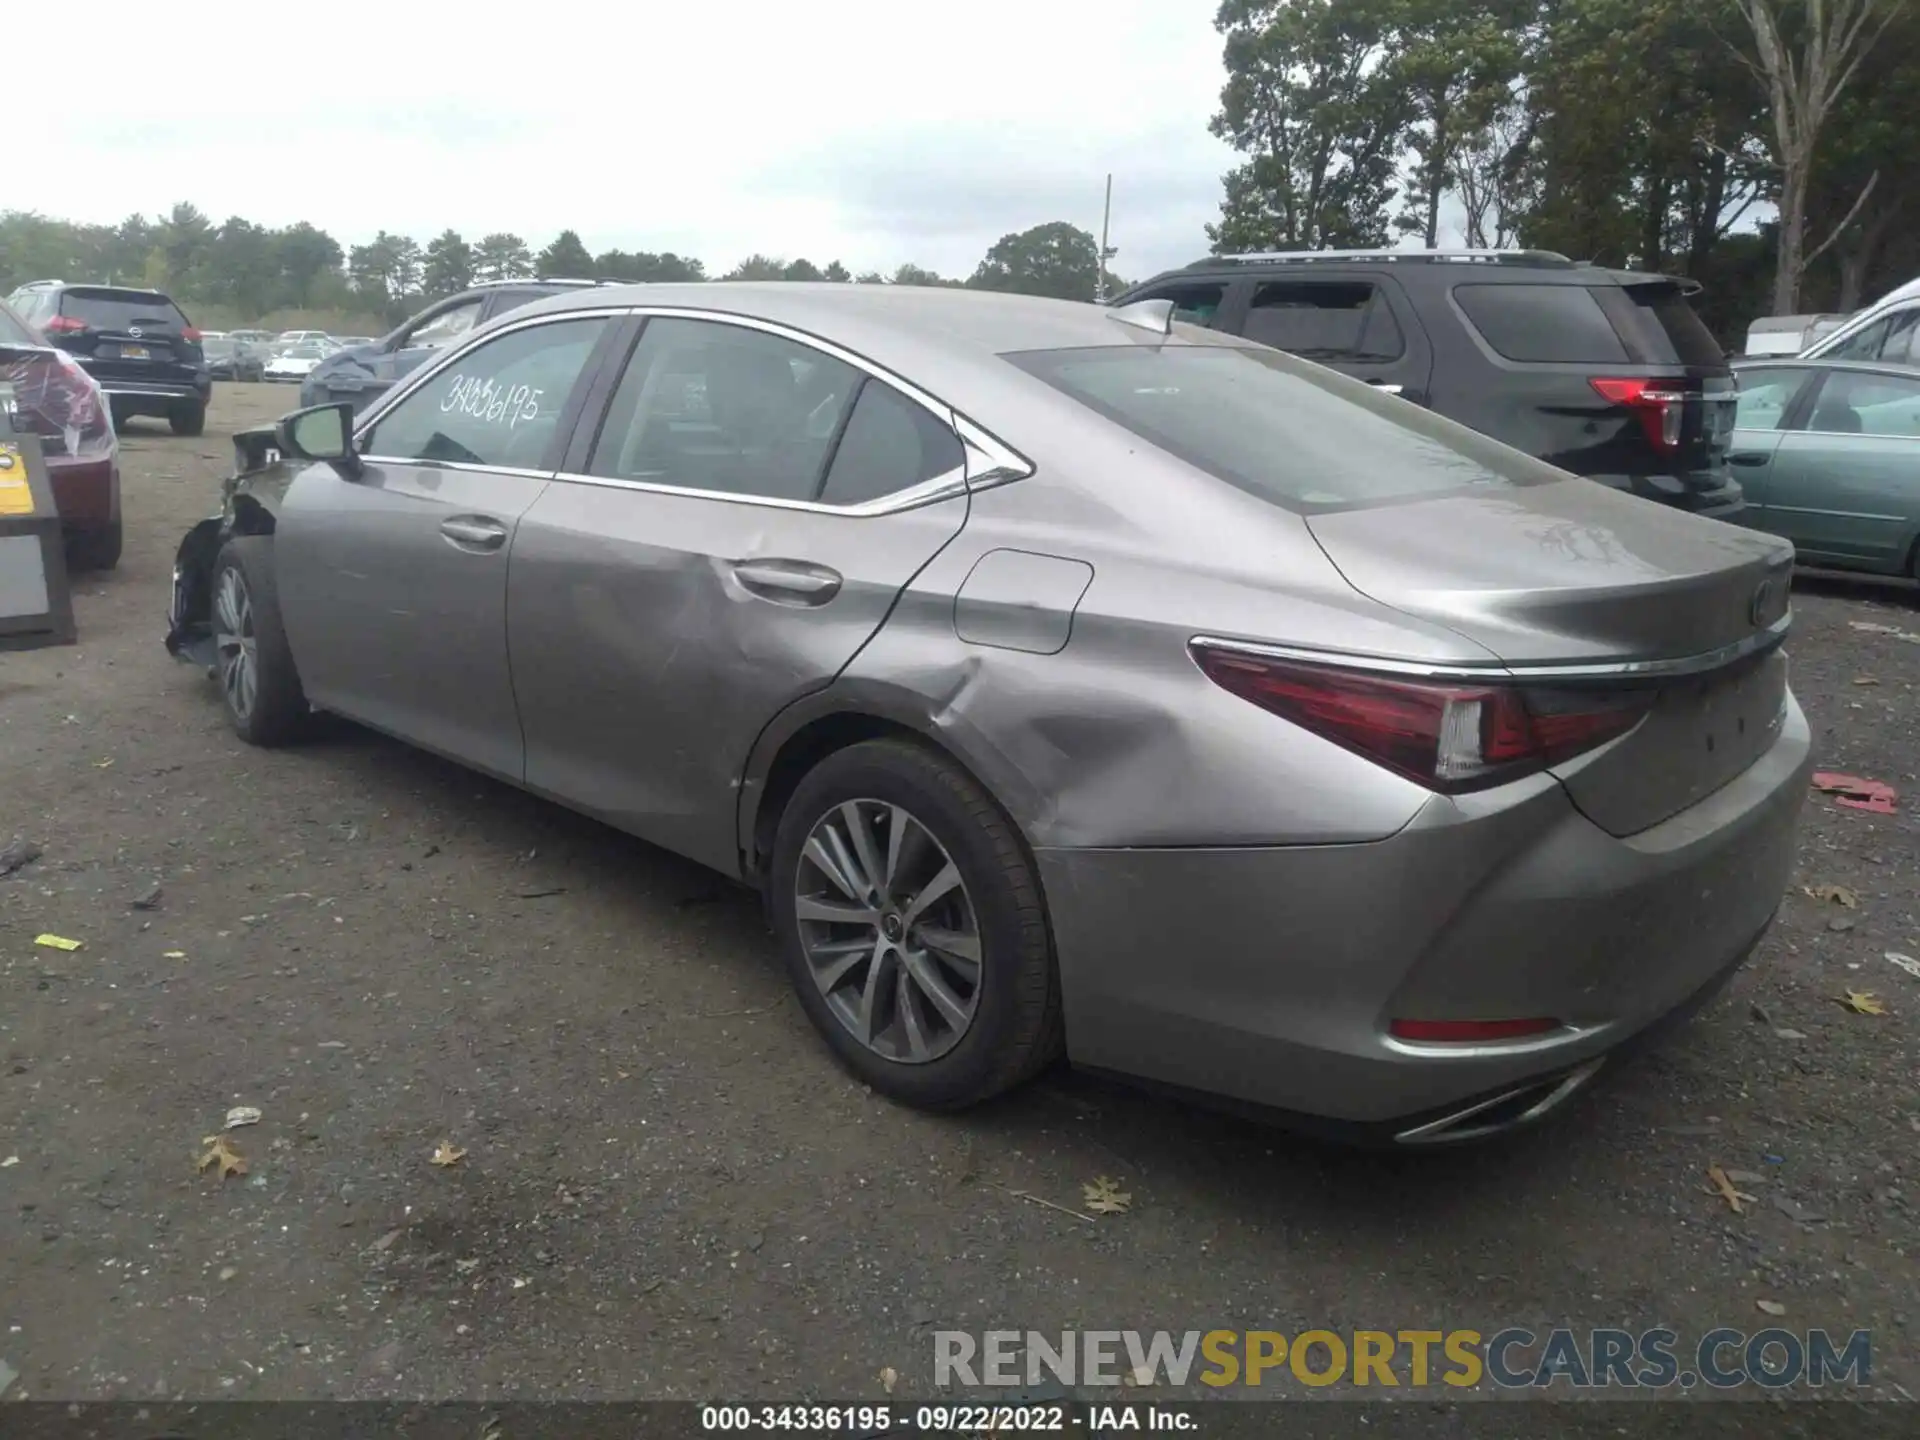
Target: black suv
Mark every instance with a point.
(1607, 373)
(137, 344)
(365, 372)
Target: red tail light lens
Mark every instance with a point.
(64, 325)
(1467, 1032)
(1447, 736)
(59, 402)
(1660, 411)
(189, 333)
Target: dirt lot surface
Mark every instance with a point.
(670, 1190)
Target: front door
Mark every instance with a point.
(393, 584)
(1846, 488)
(741, 527)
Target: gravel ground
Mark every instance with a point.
(669, 1190)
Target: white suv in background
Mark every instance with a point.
(1886, 330)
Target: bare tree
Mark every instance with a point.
(1489, 176)
(1805, 53)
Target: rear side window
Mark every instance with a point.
(1663, 329)
(1326, 320)
(1196, 303)
(1552, 324)
(1295, 435)
(889, 444)
(119, 309)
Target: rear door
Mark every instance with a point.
(1769, 401)
(723, 543)
(1846, 484)
(393, 584)
(1361, 325)
(126, 336)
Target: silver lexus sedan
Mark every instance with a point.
(1067, 678)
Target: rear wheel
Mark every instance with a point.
(188, 419)
(94, 549)
(911, 920)
(258, 682)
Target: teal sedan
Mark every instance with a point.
(1828, 452)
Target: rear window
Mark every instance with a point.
(1555, 324)
(1664, 329)
(117, 309)
(1295, 435)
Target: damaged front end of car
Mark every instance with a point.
(249, 505)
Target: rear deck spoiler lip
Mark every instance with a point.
(1574, 671)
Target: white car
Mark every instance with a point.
(295, 362)
(301, 337)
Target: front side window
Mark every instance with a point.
(1294, 435)
(1764, 397)
(498, 404)
(728, 410)
(1331, 321)
(444, 328)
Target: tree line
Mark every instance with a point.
(1657, 134)
(252, 270)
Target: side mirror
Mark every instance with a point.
(322, 432)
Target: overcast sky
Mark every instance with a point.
(866, 131)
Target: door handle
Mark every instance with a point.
(1386, 387)
(788, 582)
(1748, 458)
(474, 532)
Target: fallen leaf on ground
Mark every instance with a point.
(447, 1153)
(1863, 1002)
(243, 1115)
(1737, 1200)
(220, 1152)
(174, 955)
(1871, 628)
(889, 1377)
(57, 942)
(1771, 1307)
(1835, 894)
(1105, 1197)
(1905, 962)
(9, 1162)
(1865, 680)
(101, 764)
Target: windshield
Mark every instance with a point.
(1294, 434)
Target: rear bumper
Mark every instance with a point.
(86, 492)
(154, 397)
(1268, 976)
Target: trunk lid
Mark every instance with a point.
(1572, 574)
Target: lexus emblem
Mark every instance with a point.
(1769, 601)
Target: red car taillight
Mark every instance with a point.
(64, 325)
(59, 402)
(189, 333)
(1660, 410)
(1445, 735)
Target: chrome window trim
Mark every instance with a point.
(989, 460)
(1756, 643)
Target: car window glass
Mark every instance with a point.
(722, 408)
(890, 443)
(1863, 344)
(1295, 435)
(1856, 404)
(447, 326)
(1326, 320)
(121, 309)
(1558, 324)
(1764, 397)
(1196, 304)
(1663, 328)
(498, 404)
(1902, 344)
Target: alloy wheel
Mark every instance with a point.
(234, 643)
(889, 931)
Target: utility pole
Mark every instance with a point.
(1106, 251)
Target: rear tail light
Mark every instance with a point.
(1467, 1032)
(1445, 735)
(64, 325)
(1660, 410)
(60, 402)
(189, 333)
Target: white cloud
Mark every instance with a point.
(869, 132)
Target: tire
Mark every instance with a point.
(94, 549)
(246, 608)
(188, 419)
(1013, 1028)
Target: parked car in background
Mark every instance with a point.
(347, 342)
(65, 408)
(229, 359)
(138, 344)
(259, 339)
(1829, 453)
(1607, 373)
(361, 373)
(1061, 675)
(294, 362)
(1888, 330)
(1788, 334)
(301, 337)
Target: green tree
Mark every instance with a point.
(502, 256)
(448, 267)
(801, 270)
(1056, 259)
(566, 258)
(308, 256)
(914, 275)
(758, 267)
(836, 272)
(870, 277)
(646, 267)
